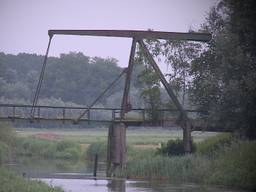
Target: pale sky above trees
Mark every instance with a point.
(24, 24)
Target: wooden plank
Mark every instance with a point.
(203, 37)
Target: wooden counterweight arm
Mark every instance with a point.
(203, 37)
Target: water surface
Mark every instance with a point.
(75, 176)
(81, 185)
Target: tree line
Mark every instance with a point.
(72, 78)
(219, 76)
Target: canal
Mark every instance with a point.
(76, 176)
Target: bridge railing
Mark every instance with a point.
(64, 113)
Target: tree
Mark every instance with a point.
(151, 93)
(71, 77)
(178, 55)
(224, 75)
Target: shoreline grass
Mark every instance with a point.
(219, 160)
(47, 149)
(140, 137)
(233, 166)
(11, 182)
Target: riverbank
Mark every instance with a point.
(217, 160)
(11, 182)
(231, 165)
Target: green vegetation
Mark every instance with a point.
(224, 73)
(212, 144)
(48, 149)
(151, 93)
(174, 147)
(82, 72)
(229, 165)
(10, 182)
(81, 136)
(4, 152)
(218, 77)
(219, 159)
(133, 152)
(30, 145)
(70, 80)
(138, 137)
(99, 148)
(7, 140)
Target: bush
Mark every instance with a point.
(233, 165)
(4, 152)
(213, 144)
(99, 148)
(7, 140)
(68, 153)
(6, 134)
(173, 147)
(62, 145)
(35, 147)
(47, 149)
(134, 153)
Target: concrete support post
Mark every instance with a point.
(116, 156)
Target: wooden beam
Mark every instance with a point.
(128, 80)
(185, 121)
(152, 62)
(39, 84)
(203, 37)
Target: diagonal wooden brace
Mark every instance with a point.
(185, 121)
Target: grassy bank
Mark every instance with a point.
(11, 182)
(230, 165)
(100, 148)
(74, 143)
(218, 159)
(144, 137)
(7, 142)
(47, 149)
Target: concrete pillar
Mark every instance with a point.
(116, 147)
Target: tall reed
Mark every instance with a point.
(232, 165)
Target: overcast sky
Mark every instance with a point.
(24, 23)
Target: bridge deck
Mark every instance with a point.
(136, 117)
(59, 113)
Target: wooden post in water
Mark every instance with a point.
(95, 165)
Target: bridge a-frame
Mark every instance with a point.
(117, 132)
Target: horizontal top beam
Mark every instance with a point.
(203, 37)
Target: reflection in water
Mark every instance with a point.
(116, 185)
(85, 185)
(36, 167)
